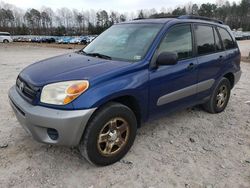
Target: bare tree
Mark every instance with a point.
(195, 9)
(33, 19)
(114, 17)
(189, 7)
(67, 21)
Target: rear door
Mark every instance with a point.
(173, 86)
(231, 50)
(210, 57)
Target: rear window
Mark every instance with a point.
(227, 40)
(204, 39)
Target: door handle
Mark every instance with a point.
(191, 66)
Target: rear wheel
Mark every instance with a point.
(219, 98)
(109, 134)
(5, 41)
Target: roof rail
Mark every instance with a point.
(200, 18)
(157, 17)
(139, 18)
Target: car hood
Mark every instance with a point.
(71, 66)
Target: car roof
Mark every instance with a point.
(178, 19)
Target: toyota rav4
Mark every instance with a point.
(97, 97)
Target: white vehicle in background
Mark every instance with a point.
(246, 35)
(76, 40)
(5, 37)
(91, 38)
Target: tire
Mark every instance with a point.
(116, 124)
(219, 98)
(5, 41)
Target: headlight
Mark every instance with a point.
(62, 93)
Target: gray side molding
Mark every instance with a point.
(185, 92)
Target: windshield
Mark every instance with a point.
(126, 42)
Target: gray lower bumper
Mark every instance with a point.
(37, 119)
(237, 76)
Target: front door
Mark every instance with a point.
(173, 86)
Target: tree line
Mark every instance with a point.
(65, 21)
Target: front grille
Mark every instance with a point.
(26, 90)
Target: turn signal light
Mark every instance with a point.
(75, 90)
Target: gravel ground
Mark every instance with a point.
(244, 47)
(190, 148)
(45, 45)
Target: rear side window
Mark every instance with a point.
(204, 39)
(227, 40)
(4, 34)
(218, 44)
(178, 40)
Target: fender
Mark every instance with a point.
(134, 84)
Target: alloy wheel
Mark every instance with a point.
(113, 136)
(221, 97)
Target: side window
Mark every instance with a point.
(218, 44)
(226, 39)
(204, 39)
(178, 40)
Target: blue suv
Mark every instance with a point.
(97, 97)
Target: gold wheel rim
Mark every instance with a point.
(221, 97)
(113, 136)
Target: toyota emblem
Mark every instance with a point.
(21, 86)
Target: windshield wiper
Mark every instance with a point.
(81, 52)
(95, 55)
(99, 55)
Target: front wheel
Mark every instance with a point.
(5, 41)
(109, 134)
(219, 98)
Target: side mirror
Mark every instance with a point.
(167, 58)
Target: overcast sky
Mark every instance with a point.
(117, 5)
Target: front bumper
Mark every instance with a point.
(38, 120)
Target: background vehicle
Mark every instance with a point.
(239, 35)
(5, 37)
(96, 98)
(76, 40)
(59, 40)
(87, 39)
(66, 40)
(55, 39)
(246, 35)
(35, 39)
(49, 40)
(84, 40)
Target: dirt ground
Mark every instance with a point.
(51, 45)
(244, 47)
(190, 148)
